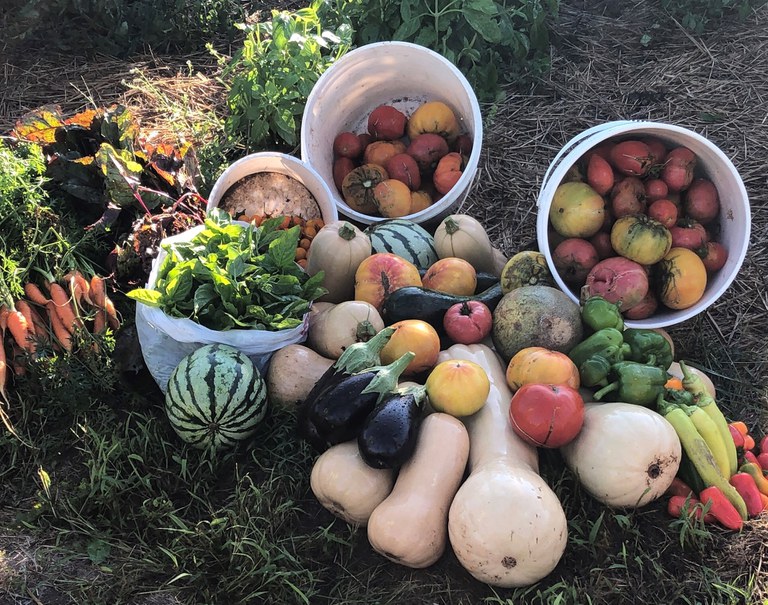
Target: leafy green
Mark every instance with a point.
(701, 15)
(270, 78)
(493, 42)
(234, 276)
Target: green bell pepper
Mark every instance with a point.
(637, 383)
(595, 355)
(599, 313)
(648, 346)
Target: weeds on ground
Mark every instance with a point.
(702, 15)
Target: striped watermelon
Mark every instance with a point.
(216, 397)
(404, 238)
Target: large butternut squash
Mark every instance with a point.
(506, 526)
(410, 526)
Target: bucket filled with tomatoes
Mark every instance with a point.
(649, 215)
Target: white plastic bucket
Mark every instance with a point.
(735, 214)
(398, 73)
(268, 161)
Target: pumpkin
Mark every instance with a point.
(381, 274)
(357, 187)
(333, 330)
(682, 278)
(346, 486)
(540, 365)
(410, 526)
(506, 526)
(640, 238)
(625, 455)
(337, 250)
(433, 117)
(463, 236)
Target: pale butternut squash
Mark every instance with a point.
(286, 385)
(506, 526)
(337, 327)
(337, 250)
(346, 486)
(462, 236)
(410, 526)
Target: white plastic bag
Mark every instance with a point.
(166, 340)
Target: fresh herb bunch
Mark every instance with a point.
(491, 42)
(270, 78)
(231, 275)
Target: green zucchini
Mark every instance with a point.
(414, 302)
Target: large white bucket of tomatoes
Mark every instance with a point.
(730, 227)
(405, 76)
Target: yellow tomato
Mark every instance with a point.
(458, 387)
(416, 336)
(683, 278)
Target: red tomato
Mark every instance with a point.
(546, 415)
(714, 255)
(468, 322)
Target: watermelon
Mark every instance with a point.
(216, 397)
(404, 238)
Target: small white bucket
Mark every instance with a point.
(269, 161)
(735, 215)
(404, 75)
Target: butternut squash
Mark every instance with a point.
(332, 330)
(346, 486)
(410, 526)
(462, 236)
(288, 387)
(337, 250)
(506, 526)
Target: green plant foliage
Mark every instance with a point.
(122, 27)
(701, 15)
(270, 78)
(492, 42)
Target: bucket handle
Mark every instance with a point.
(582, 136)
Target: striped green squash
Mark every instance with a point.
(404, 238)
(216, 397)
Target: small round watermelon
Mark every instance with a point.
(405, 238)
(216, 397)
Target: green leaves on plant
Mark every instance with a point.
(700, 15)
(270, 78)
(492, 42)
(234, 276)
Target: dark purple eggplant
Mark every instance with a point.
(388, 437)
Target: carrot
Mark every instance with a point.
(98, 291)
(112, 319)
(19, 328)
(35, 294)
(66, 313)
(23, 306)
(4, 318)
(78, 287)
(59, 329)
(3, 373)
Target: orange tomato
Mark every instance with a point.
(458, 387)
(416, 336)
(540, 365)
(382, 273)
(683, 278)
(452, 275)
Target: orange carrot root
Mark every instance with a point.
(19, 328)
(35, 294)
(64, 309)
(63, 335)
(78, 287)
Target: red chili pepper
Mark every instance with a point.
(762, 460)
(721, 508)
(764, 444)
(740, 426)
(747, 488)
(738, 438)
(749, 457)
(678, 487)
(749, 442)
(757, 474)
(692, 507)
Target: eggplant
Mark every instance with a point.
(389, 435)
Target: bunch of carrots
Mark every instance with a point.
(50, 315)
